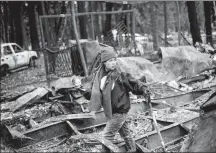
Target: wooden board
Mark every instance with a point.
(29, 98)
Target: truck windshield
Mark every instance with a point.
(17, 49)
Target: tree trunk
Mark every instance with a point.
(102, 17)
(6, 17)
(16, 15)
(12, 27)
(77, 39)
(23, 26)
(108, 19)
(82, 20)
(124, 16)
(2, 35)
(129, 20)
(154, 26)
(96, 19)
(165, 22)
(45, 25)
(207, 10)
(18, 23)
(178, 20)
(194, 25)
(90, 20)
(61, 20)
(33, 25)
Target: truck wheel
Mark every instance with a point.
(4, 70)
(32, 62)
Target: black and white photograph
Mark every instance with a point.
(108, 76)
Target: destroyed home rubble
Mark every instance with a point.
(43, 107)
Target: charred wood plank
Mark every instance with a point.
(28, 98)
(7, 95)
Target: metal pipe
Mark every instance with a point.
(77, 40)
(179, 26)
(155, 124)
(87, 13)
(133, 30)
(43, 44)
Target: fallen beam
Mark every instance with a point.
(169, 133)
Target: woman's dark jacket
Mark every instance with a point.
(120, 99)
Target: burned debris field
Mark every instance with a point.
(108, 76)
(38, 118)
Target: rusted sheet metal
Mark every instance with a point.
(180, 99)
(69, 117)
(169, 133)
(40, 134)
(141, 148)
(189, 125)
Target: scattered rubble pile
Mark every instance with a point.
(37, 108)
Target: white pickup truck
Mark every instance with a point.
(13, 56)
